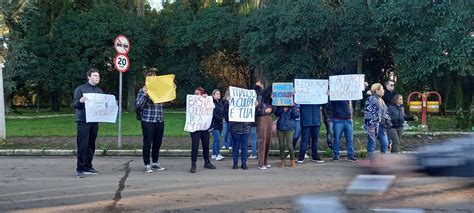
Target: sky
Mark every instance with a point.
(156, 4)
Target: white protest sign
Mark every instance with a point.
(242, 105)
(346, 87)
(100, 108)
(199, 111)
(311, 91)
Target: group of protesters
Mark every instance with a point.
(383, 120)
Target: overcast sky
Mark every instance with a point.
(156, 4)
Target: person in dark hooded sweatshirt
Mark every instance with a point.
(86, 132)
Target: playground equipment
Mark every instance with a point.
(424, 105)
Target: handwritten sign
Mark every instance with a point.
(242, 105)
(311, 91)
(161, 88)
(346, 87)
(282, 94)
(100, 108)
(199, 112)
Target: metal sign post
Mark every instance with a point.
(3, 133)
(121, 63)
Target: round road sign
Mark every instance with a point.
(122, 44)
(121, 62)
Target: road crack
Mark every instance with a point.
(118, 193)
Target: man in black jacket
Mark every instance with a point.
(389, 92)
(86, 132)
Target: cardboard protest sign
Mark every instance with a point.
(346, 87)
(311, 91)
(242, 105)
(100, 108)
(161, 88)
(199, 111)
(282, 94)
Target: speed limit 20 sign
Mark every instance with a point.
(121, 62)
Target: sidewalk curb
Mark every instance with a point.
(138, 152)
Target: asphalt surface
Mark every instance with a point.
(48, 184)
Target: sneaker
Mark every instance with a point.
(253, 157)
(306, 156)
(268, 165)
(262, 167)
(351, 159)
(300, 161)
(148, 169)
(91, 172)
(156, 166)
(244, 167)
(213, 157)
(80, 174)
(230, 147)
(219, 157)
(335, 159)
(223, 147)
(318, 160)
(288, 157)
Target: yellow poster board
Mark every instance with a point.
(161, 88)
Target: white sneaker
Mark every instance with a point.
(268, 166)
(219, 157)
(300, 161)
(148, 169)
(288, 157)
(306, 156)
(262, 167)
(252, 157)
(223, 147)
(156, 166)
(213, 157)
(230, 147)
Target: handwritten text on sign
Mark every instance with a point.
(242, 105)
(100, 108)
(282, 94)
(311, 91)
(346, 87)
(199, 112)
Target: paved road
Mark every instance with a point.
(48, 184)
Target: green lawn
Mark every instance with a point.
(65, 126)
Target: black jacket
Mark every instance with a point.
(388, 96)
(240, 127)
(218, 115)
(397, 115)
(80, 107)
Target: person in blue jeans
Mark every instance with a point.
(376, 120)
(297, 133)
(240, 136)
(327, 115)
(342, 123)
(253, 140)
(310, 123)
(217, 125)
(226, 127)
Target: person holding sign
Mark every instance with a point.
(341, 118)
(240, 134)
(376, 120)
(285, 128)
(264, 127)
(86, 132)
(310, 123)
(200, 135)
(153, 127)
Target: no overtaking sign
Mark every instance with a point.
(122, 44)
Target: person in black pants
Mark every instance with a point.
(153, 126)
(86, 132)
(203, 136)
